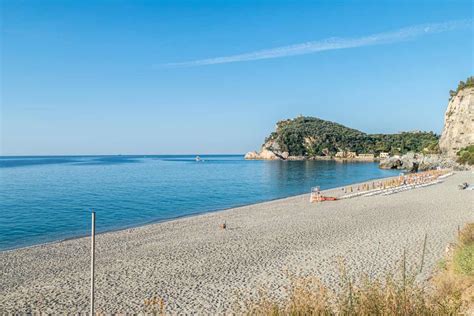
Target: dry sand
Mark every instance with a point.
(196, 267)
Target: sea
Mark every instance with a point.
(50, 198)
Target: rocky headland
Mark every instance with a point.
(310, 138)
(458, 133)
(420, 162)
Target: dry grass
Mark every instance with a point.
(451, 291)
(154, 306)
(391, 296)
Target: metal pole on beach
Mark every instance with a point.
(92, 261)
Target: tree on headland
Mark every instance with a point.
(468, 84)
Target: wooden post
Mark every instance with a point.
(404, 269)
(423, 253)
(92, 261)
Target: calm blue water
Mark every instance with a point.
(49, 198)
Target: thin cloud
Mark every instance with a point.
(334, 43)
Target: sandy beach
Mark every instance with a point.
(196, 267)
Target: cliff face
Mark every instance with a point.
(458, 129)
(269, 151)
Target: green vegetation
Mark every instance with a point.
(455, 281)
(404, 142)
(469, 83)
(309, 136)
(432, 148)
(463, 258)
(466, 155)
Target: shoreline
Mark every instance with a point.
(200, 213)
(318, 158)
(196, 267)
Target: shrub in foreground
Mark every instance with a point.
(466, 155)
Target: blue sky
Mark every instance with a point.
(141, 77)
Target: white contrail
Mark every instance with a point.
(333, 43)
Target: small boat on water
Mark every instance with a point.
(198, 159)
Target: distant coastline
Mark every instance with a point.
(358, 158)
